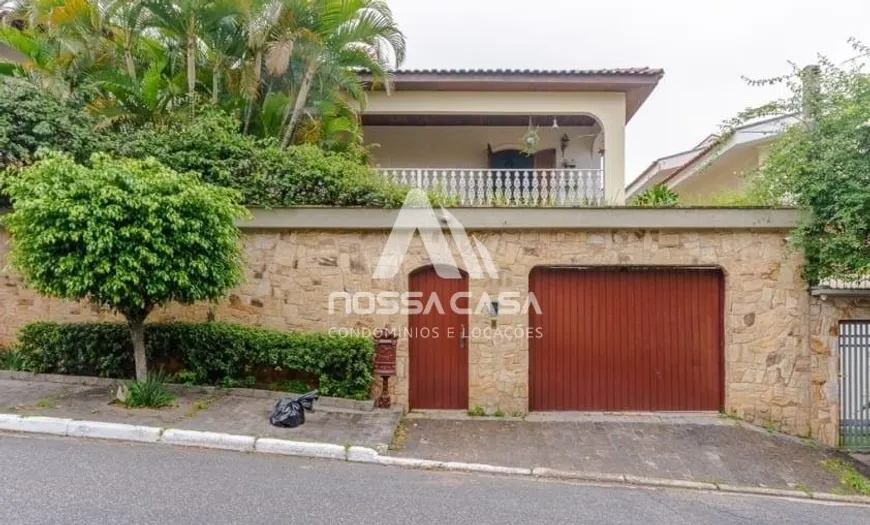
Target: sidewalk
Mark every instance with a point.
(698, 448)
(216, 412)
(700, 452)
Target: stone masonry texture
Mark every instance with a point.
(779, 342)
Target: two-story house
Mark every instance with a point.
(529, 137)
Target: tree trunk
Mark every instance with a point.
(191, 60)
(137, 334)
(215, 83)
(301, 99)
(131, 66)
(252, 96)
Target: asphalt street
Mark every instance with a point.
(46, 480)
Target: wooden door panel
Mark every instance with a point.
(626, 340)
(438, 367)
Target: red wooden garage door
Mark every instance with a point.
(626, 339)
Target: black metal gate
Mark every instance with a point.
(854, 348)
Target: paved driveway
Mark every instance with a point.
(707, 448)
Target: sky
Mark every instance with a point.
(704, 46)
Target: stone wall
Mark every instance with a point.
(780, 344)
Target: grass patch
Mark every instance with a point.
(45, 403)
(499, 413)
(850, 478)
(399, 436)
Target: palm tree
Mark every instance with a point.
(278, 62)
(185, 22)
(350, 34)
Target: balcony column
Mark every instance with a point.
(614, 159)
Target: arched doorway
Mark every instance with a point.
(438, 341)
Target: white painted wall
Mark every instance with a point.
(465, 146)
(607, 107)
(726, 174)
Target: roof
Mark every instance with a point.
(642, 71)
(769, 127)
(637, 82)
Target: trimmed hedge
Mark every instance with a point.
(213, 353)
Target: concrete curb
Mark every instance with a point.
(325, 403)
(195, 438)
(100, 430)
(216, 440)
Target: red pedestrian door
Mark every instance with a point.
(438, 346)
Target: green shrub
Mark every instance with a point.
(149, 393)
(31, 118)
(266, 174)
(658, 196)
(210, 353)
(10, 359)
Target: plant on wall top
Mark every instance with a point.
(125, 234)
(657, 196)
(822, 164)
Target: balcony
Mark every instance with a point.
(506, 187)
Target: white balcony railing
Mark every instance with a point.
(485, 187)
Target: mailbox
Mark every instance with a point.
(385, 354)
(385, 362)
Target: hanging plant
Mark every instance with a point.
(530, 141)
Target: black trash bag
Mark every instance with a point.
(290, 413)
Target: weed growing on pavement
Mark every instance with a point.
(399, 436)
(149, 393)
(499, 413)
(806, 489)
(477, 411)
(200, 404)
(45, 403)
(850, 478)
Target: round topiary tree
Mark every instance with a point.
(125, 234)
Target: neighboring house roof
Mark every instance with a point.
(711, 149)
(659, 170)
(636, 83)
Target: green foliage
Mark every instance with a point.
(125, 234)
(211, 353)
(281, 66)
(477, 411)
(149, 393)
(822, 164)
(10, 359)
(658, 196)
(265, 174)
(731, 199)
(31, 118)
(850, 478)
